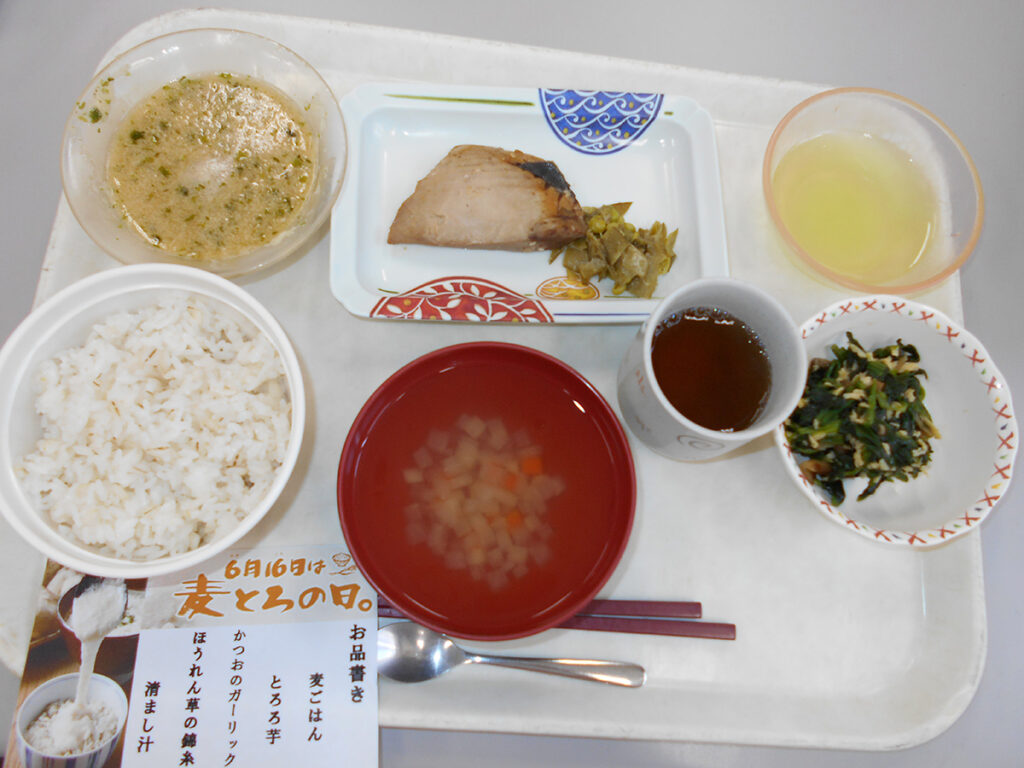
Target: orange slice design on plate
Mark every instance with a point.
(565, 287)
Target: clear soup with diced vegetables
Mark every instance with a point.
(488, 496)
(480, 500)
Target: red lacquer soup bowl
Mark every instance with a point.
(487, 490)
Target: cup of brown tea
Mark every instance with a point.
(717, 364)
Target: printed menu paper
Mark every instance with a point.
(251, 659)
(252, 695)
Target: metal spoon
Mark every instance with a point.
(97, 623)
(409, 653)
(119, 594)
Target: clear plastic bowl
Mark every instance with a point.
(934, 149)
(139, 72)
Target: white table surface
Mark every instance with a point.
(962, 60)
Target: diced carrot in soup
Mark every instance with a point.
(532, 464)
(514, 519)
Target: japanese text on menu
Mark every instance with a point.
(214, 691)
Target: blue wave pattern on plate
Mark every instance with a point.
(599, 122)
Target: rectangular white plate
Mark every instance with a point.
(657, 152)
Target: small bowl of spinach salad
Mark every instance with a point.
(906, 432)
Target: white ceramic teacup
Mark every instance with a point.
(648, 412)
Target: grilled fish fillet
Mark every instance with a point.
(485, 197)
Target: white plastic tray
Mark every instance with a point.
(841, 643)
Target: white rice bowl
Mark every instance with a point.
(153, 415)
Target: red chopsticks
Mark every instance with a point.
(666, 626)
(645, 617)
(663, 608)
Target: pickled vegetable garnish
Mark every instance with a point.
(862, 415)
(632, 258)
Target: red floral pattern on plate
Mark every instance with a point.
(471, 299)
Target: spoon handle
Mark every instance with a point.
(612, 672)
